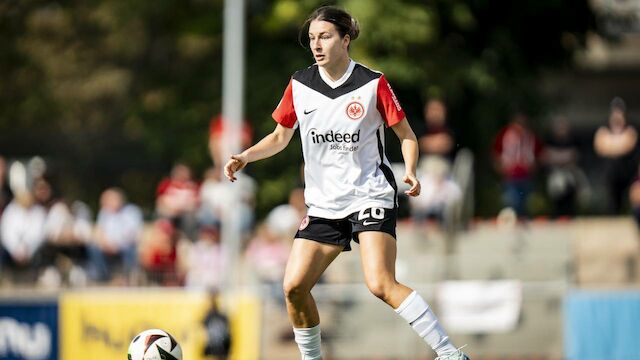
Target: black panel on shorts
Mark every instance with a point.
(342, 231)
(328, 231)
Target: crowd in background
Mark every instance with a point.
(51, 241)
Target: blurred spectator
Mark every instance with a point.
(245, 190)
(436, 138)
(216, 136)
(177, 199)
(68, 230)
(42, 192)
(218, 332)
(216, 195)
(616, 143)
(158, 254)
(5, 190)
(437, 147)
(438, 190)
(18, 178)
(22, 230)
(213, 196)
(267, 255)
(206, 263)
(565, 180)
(117, 234)
(284, 219)
(515, 151)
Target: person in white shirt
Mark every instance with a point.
(117, 234)
(22, 230)
(341, 108)
(207, 259)
(215, 197)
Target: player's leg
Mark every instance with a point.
(307, 261)
(378, 256)
(378, 253)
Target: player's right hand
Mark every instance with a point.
(414, 183)
(236, 163)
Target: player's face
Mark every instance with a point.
(326, 44)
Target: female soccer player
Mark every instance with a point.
(340, 107)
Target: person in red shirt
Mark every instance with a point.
(516, 150)
(177, 199)
(158, 253)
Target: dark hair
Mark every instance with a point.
(618, 104)
(342, 20)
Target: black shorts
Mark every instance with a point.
(342, 231)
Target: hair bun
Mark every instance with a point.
(355, 29)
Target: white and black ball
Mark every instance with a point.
(154, 344)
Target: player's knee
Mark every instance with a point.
(294, 291)
(379, 289)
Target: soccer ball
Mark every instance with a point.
(154, 344)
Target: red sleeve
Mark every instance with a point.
(163, 186)
(285, 113)
(388, 105)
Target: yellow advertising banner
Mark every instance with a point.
(99, 324)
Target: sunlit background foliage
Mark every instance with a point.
(114, 92)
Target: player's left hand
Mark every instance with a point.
(414, 183)
(236, 163)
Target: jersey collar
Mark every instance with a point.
(335, 84)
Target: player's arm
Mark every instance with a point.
(267, 147)
(409, 145)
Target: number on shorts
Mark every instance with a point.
(376, 213)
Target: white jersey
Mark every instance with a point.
(342, 130)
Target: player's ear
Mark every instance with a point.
(346, 40)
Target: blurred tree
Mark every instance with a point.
(114, 92)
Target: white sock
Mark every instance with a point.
(417, 313)
(308, 340)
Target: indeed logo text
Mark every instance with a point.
(333, 136)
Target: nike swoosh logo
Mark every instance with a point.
(365, 223)
(309, 112)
